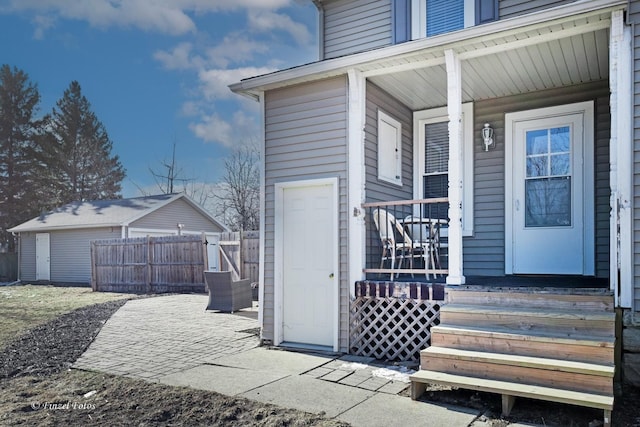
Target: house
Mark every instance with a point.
(55, 246)
(512, 122)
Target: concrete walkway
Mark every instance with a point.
(173, 340)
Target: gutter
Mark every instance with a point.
(338, 66)
(63, 227)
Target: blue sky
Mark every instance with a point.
(156, 71)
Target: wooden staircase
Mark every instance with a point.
(541, 343)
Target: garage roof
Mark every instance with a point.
(105, 213)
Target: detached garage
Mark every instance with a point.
(55, 246)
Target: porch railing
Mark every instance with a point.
(407, 239)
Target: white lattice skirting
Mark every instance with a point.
(392, 321)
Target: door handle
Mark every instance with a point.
(331, 276)
(517, 204)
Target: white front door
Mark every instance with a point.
(308, 259)
(43, 257)
(551, 196)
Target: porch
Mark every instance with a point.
(431, 200)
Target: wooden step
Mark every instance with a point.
(511, 389)
(556, 345)
(555, 373)
(599, 323)
(551, 298)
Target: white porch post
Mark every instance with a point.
(454, 109)
(261, 256)
(356, 174)
(620, 158)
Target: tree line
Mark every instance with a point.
(52, 159)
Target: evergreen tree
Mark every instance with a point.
(19, 99)
(78, 152)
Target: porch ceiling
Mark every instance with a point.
(565, 54)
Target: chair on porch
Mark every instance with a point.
(425, 232)
(397, 245)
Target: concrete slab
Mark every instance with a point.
(383, 410)
(311, 395)
(221, 379)
(272, 360)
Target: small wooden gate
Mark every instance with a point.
(239, 253)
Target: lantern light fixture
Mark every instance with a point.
(487, 136)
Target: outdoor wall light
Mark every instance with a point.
(487, 136)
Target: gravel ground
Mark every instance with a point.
(38, 388)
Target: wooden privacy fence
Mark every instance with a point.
(149, 264)
(240, 254)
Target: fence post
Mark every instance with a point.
(148, 284)
(205, 251)
(94, 267)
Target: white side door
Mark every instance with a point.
(308, 257)
(551, 195)
(43, 257)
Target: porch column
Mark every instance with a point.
(356, 175)
(620, 158)
(454, 109)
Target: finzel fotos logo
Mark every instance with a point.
(48, 406)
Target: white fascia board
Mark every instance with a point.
(62, 227)
(338, 66)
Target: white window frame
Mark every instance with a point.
(383, 148)
(436, 115)
(419, 17)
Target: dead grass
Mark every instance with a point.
(26, 306)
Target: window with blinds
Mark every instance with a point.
(432, 17)
(444, 16)
(436, 160)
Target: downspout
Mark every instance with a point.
(320, 8)
(19, 276)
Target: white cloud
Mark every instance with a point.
(214, 83)
(213, 129)
(242, 129)
(235, 48)
(266, 21)
(164, 16)
(179, 58)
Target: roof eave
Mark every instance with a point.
(19, 229)
(338, 66)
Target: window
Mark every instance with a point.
(389, 149)
(433, 17)
(431, 159)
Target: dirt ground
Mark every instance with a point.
(38, 388)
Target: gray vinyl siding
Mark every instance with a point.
(179, 211)
(306, 138)
(511, 8)
(484, 253)
(27, 257)
(634, 19)
(356, 26)
(377, 190)
(70, 253)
